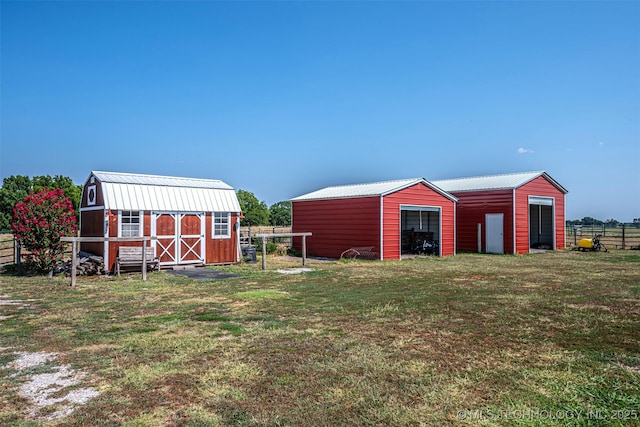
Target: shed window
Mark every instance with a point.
(130, 224)
(221, 221)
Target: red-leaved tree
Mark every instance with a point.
(38, 224)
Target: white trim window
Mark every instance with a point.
(129, 223)
(221, 225)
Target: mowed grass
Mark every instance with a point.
(541, 339)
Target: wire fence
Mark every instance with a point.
(248, 233)
(623, 236)
(7, 248)
(12, 253)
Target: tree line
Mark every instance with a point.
(16, 188)
(591, 222)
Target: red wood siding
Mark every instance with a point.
(543, 188)
(217, 251)
(113, 232)
(221, 251)
(472, 208)
(85, 194)
(337, 224)
(92, 225)
(420, 195)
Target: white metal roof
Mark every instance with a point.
(168, 181)
(368, 189)
(494, 182)
(165, 193)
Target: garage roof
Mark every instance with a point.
(494, 182)
(126, 191)
(368, 189)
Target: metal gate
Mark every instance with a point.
(179, 237)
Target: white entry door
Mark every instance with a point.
(494, 226)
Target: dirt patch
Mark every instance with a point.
(54, 394)
(12, 305)
(294, 270)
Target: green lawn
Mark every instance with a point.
(473, 339)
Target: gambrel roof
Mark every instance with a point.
(126, 191)
(494, 182)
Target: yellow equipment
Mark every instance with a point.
(591, 244)
(585, 244)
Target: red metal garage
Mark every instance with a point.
(193, 221)
(390, 218)
(509, 213)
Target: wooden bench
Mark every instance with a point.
(132, 256)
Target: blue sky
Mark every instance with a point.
(283, 98)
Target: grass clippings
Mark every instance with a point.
(533, 340)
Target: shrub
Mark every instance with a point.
(39, 222)
(271, 247)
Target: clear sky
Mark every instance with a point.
(282, 98)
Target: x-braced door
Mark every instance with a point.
(179, 237)
(164, 226)
(191, 245)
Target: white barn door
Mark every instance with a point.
(494, 225)
(179, 237)
(191, 241)
(164, 226)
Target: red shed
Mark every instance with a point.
(193, 221)
(509, 213)
(392, 218)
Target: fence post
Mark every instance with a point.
(18, 255)
(144, 260)
(264, 253)
(623, 235)
(74, 260)
(304, 250)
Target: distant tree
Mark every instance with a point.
(612, 222)
(16, 188)
(38, 223)
(281, 213)
(636, 220)
(72, 191)
(587, 220)
(255, 212)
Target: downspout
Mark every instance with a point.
(105, 217)
(382, 227)
(440, 232)
(237, 229)
(564, 220)
(513, 221)
(455, 228)
(553, 223)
